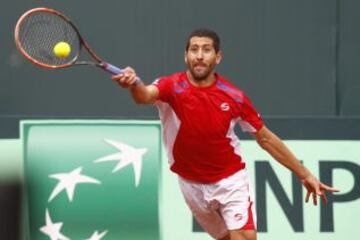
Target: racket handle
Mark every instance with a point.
(115, 71)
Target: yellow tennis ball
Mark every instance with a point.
(62, 49)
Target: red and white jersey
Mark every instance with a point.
(198, 126)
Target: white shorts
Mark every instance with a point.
(221, 206)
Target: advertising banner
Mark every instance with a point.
(110, 180)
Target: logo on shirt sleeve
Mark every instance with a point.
(156, 81)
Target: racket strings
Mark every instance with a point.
(41, 31)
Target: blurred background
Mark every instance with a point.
(299, 62)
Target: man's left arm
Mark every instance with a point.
(279, 151)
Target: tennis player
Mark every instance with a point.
(199, 109)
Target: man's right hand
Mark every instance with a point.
(127, 78)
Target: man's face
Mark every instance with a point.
(201, 57)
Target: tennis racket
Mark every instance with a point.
(39, 30)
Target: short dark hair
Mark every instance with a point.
(203, 32)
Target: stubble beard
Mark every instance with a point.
(202, 75)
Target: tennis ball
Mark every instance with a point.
(62, 49)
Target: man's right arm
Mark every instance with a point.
(141, 93)
(144, 94)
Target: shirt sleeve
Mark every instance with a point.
(251, 120)
(164, 85)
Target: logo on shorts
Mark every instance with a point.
(225, 106)
(238, 216)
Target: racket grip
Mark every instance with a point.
(115, 71)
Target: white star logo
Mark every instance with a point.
(97, 236)
(68, 181)
(127, 155)
(52, 229)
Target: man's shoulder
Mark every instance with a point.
(228, 87)
(175, 82)
(226, 84)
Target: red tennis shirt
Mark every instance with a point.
(198, 126)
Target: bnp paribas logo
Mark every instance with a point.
(126, 155)
(84, 186)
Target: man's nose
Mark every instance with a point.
(200, 54)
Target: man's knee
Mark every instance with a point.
(242, 235)
(227, 237)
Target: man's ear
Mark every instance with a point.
(185, 59)
(219, 57)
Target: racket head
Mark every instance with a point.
(39, 30)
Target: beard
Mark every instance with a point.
(200, 73)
